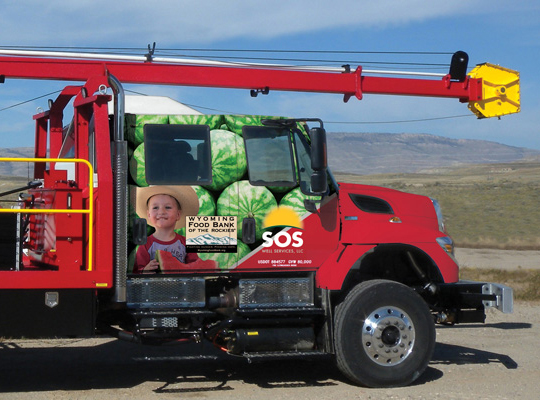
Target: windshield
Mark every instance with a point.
(275, 160)
(269, 156)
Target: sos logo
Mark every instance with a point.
(283, 239)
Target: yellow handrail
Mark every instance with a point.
(90, 210)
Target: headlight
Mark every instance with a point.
(447, 244)
(440, 219)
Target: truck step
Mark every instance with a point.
(303, 311)
(278, 355)
(172, 313)
(177, 358)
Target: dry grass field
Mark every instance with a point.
(8, 183)
(524, 282)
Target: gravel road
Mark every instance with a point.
(498, 259)
(497, 360)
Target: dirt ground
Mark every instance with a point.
(498, 259)
(496, 360)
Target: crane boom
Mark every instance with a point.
(504, 99)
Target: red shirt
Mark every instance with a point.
(147, 252)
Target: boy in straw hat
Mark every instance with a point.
(165, 208)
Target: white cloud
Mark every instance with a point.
(177, 23)
(67, 22)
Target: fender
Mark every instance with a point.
(333, 271)
(340, 267)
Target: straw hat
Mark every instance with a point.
(185, 195)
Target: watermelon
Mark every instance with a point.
(244, 200)
(295, 200)
(279, 189)
(136, 166)
(213, 121)
(236, 122)
(228, 159)
(135, 126)
(167, 261)
(207, 205)
(226, 261)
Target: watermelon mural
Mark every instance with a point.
(235, 123)
(213, 121)
(136, 166)
(229, 162)
(134, 125)
(168, 262)
(207, 205)
(230, 194)
(226, 261)
(295, 200)
(132, 214)
(244, 200)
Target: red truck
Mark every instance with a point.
(303, 266)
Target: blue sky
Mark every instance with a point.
(500, 32)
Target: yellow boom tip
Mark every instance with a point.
(500, 91)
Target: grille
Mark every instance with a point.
(166, 293)
(276, 292)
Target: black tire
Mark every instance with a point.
(384, 334)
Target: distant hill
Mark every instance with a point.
(16, 169)
(374, 153)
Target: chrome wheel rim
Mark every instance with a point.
(388, 336)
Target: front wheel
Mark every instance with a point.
(384, 334)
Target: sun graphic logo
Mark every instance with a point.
(282, 217)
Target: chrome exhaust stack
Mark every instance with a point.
(120, 168)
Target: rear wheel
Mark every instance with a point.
(384, 334)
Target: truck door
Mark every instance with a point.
(300, 229)
(172, 155)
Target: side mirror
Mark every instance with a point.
(319, 182)
(139, 231)
(318, 149)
